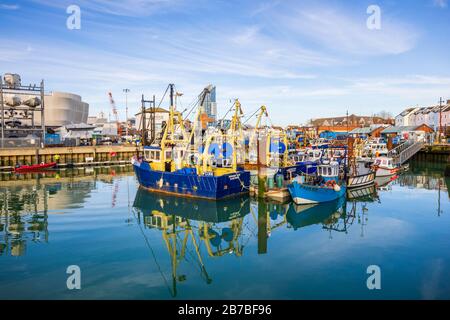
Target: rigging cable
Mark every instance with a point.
(154, 256)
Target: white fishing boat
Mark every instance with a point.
(361, 175)
(385, 166)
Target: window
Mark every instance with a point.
(168, 154)
(157, 155)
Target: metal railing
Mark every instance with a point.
(400, 148)
(409, 152)
(405, 151)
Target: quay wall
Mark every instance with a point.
(67, 155)
(434, 154)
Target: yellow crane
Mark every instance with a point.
(173, 229)
(262, 112)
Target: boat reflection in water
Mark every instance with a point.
(365, 194)
(21, 220)
(217, 226)
(214, 229)
(300, 216)
(385, 183)
(27, 199)
(355, 209)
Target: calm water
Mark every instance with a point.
(131, 244)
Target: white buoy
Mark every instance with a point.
(337, 188)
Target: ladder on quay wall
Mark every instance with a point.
(405, 151)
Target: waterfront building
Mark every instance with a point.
(29, 113)
(61, 108)
(405, 117)
(98, 120)
(429, 116)
(373, 131)
(161, 117)
(351, 120)
(446, 116)
(421, 132)
(210, 104)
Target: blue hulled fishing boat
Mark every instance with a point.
(188, 182)
(324, 187)
(164, 168)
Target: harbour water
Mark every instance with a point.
(130, 244)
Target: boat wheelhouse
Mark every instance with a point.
(326, 186)
(385, 166)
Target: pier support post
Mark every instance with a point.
(262, 227)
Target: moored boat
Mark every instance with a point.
(164, 168)
(361, 175)
(35, 167)
(188, 182)
(384, 166)
(324, 188)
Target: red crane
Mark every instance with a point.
(116, 116)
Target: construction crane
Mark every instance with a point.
(116, 116)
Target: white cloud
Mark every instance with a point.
(246, 36)
(265, 6)
(5, 6)
(290, 60)
(440, 3)
(134, 8)
(345, 32)
(412, 86)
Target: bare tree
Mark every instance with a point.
(384, 114)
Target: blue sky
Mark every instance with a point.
(303, 59)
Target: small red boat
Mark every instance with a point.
(35, 167)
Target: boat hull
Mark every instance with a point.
(36, 167)
(188, 184)
(386, 172)
(361, 180)
(307, 194)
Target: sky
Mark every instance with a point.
(302, 59)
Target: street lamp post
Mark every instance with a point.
(126, 110)
(440, 119)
